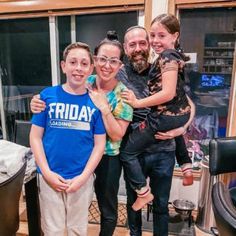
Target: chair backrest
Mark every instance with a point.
(22, 130)
(224, 210)
(222, 159)
(10, 191)
(222, 155)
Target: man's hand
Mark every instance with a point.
(37, 105)
(170, 134)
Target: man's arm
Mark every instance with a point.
(192, 114)
(94, 159)
(181, 130)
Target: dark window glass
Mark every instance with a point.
(25, 65)
(91, 29)
(64, 37)
(25, 52)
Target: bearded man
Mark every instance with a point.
(159, 159)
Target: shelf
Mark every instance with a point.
(219, 48)
(220, 57)
(217, 73)
(214, 65)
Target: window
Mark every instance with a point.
(209, 35)
(25, 65)
(25, 53)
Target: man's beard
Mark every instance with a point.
(140, 64)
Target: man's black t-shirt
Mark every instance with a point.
(137, 82)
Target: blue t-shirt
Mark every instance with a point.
(70, 123)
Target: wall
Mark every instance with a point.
(159, 7)
(178, 191)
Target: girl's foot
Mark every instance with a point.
(141, 201)
(187, 175)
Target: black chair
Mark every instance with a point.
(10, 191)
(222, 159)
(21, 136)
(21, 132)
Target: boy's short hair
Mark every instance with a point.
(77, 45)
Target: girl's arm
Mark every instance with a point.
(169, 83)
(94, 159)
(54, 180)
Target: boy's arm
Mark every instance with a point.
(94, 159)
(37, 105)
(54, 180)
(169, 83)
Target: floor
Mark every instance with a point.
(93, 228)
(120, 231)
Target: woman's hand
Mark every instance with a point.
(37, 105)
(170, 134)
(130, 98)
(99, 99)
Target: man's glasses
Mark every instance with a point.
(113, 62)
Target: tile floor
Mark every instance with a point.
(93, 228)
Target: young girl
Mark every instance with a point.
(169, 104)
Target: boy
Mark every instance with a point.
(68, 141)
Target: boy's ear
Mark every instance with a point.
(62, 66)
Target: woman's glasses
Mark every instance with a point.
(113, 62)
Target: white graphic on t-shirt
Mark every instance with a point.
(70, 116)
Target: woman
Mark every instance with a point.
(105, 91)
